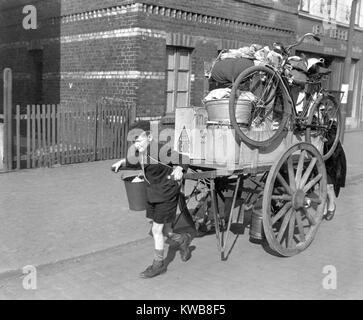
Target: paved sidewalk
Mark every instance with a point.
(53, 214)
(50, 215)
(353, 147)
(249, 273)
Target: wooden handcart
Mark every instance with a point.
(285, 191)
(279, 173)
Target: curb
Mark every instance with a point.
(18, 273)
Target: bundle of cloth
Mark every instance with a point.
(230, 63)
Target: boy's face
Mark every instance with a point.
(142, 142)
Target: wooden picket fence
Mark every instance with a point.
(48, 135)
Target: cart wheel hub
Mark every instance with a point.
(298, 199)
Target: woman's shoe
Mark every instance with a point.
(330, 214)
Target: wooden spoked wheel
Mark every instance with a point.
(294, 199)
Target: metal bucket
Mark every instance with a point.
(218, 110)
(136, 193)
(221, 144)
(256, 229)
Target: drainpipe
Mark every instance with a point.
(8, 116)
(347, 64)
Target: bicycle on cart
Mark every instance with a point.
(273, 106)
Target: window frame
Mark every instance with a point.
(357, 18)
(304, 9)
(176, 52)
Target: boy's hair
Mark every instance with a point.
(142, 124)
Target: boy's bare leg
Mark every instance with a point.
(158, 266)
(157, 230)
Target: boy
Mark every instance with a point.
(162, 192)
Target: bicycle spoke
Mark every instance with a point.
(266, 87)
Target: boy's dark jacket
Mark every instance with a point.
(157, 171)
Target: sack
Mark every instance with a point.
(297, 71)
(218, 94)
(313, 62)
(274, 58)
(244, 52)
(226, 71)
(298, 63)
(298, 77)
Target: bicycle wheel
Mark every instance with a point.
(325, 120)
(268, 102)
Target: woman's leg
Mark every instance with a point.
(331, 197)
(329, 210)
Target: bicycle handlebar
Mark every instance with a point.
(288, 48)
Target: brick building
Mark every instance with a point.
(330, 19)
(151, 54)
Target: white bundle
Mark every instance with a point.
(137, 179)
(217, 94)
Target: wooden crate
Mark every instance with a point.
(253, 158)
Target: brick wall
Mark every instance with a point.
(17, 47)
(206, 37)
(266, 12)
(116, 50)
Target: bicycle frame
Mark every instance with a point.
(286, 87)
(316, 98)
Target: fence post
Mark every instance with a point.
(8, 132)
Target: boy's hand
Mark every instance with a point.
(177, 173)
(116, 166)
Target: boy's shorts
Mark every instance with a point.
(163, 212)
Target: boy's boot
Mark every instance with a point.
(158, 267)
(181, 242)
